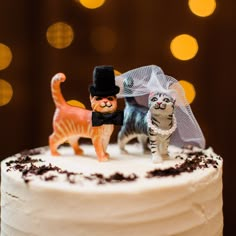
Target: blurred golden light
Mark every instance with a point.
(60, 35)
(116, 72)
(6, 92)
(189, 89)
(76, 103)
(103, 39)
(202, 8)
(92, 4)
(5, 56)
(184, 47)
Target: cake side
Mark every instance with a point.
(187, 203)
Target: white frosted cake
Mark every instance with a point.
(128, 195)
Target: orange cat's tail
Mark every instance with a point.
(56, 90)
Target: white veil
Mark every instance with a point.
(140, 82)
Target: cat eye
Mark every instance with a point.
(98, 98)
(110, 98)
(166, 100)
(154, 99)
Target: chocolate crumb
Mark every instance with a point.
(113, 178)
(28, 168)
(33, 152)
(194, 161)
(50, 178)
(26, 180)
(97, 175)
(119, 177)
(101, 181)
(23, 160)
(88, 177)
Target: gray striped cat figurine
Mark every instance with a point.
(156, 123)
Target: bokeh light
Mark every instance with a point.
(202, 8)
(60, 35)
(76, 103)
(5, 56)
(91, 4)
(6, 92)
(116, 72)
(184, 47)
(189, 89)
(103, 39)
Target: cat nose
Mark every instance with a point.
(159, 103)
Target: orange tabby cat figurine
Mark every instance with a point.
(70, 122)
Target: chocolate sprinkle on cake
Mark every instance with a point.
(33, 152)
(114, 178)
(194, 161)
(27, 166)
(22, 165)
(50, 178)
(23, 160)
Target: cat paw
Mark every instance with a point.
(55, 153)
(165, 156)
(79, 152)
(104, 157)
(123, 151)
(146, 151)
(157, 159)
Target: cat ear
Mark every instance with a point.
(174, 100)
(151, 94)
(173, 96)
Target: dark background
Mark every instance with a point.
(144, 30)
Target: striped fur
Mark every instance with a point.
(135, 124)
(70, 122)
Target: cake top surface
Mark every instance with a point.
(128, 172)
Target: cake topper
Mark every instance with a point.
(70, 122)
(157, 122)
(104, 90)
(156, 108)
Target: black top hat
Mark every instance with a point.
(103, 82)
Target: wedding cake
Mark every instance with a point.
(105, 189)
(129, 194)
